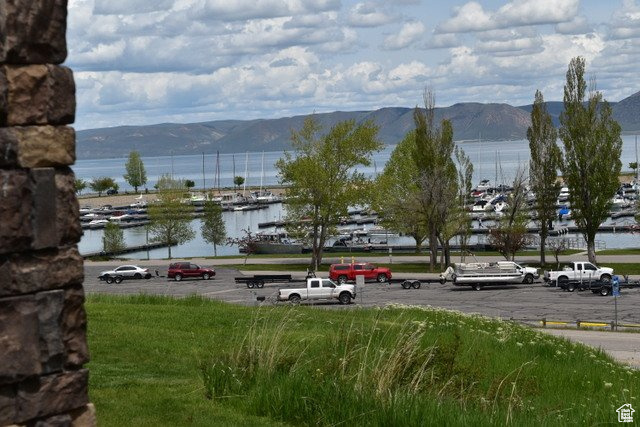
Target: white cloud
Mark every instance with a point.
(579, 25)
(369, 14)
(410, 33)
(472, 17)
(626, 21)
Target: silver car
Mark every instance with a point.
(124, 272)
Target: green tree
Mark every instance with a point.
(213, 228)
(633, 166)
(81, 184)
(136, 175)
(321, 176)
(543, 167)
(438, 180)
(101, 184)
(170, 219)
(592, 148)
(238, 181)
(462, 220)
(510, 234)
(189, 184)
(397, 195)
(113, 239)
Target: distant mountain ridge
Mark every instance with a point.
(470, 121)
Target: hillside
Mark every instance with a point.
(470, 121)
(627, 113)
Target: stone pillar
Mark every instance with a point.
(43, 343)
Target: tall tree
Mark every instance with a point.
(462, 224)
(170, 219)
(113, 238)
(213, 229)
(101, 184)
(543, 167)
(81, 184)
(438, 184)
(321, 176)
(397, 195)
(592, 148)
(136, 175)
(510, 235)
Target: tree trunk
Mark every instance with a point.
(433, 247)
(543, 240)
(169, 248)
(591, 249)
(215, 250)
(447, 254)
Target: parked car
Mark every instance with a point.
(184, 270)
(112, 191)
(124, 272)
(342, 273)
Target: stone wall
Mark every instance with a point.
(43, 343)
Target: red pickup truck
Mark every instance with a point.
(348, 272)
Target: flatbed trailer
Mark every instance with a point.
(258, 280)
(602, 287)
(414, 283)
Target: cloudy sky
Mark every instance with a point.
(145, 62)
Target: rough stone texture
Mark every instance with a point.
(40, 271)
(55, 421)
(4, 102)
(84, 417)
(8, 409)
(20, 355)
(15, 211)
(74, 327)
(37, 146)
(45, 231)
(68, 210)
(33, 31)
(50, 305)
(39, 95)
(52, 394)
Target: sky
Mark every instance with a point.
(139, 62)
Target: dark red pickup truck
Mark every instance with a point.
(342, 273)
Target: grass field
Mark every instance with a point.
(161, 361)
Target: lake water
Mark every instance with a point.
(490, 158)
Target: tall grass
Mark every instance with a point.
(163, 361)
(402, 367)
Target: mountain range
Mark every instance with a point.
(470, 121)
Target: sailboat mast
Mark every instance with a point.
(246, 171)
(637, 168)
(204, 183)
(261, 174)
(218, 170)
(234, 171)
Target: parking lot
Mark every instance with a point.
(535, 301)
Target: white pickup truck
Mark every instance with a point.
(317, 289)
(583, 271)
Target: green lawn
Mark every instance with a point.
(158, 361)
(628, 251)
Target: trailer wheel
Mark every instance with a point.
(571, 287)
(604, 291)
(382, 278)
(344, 298)
(477, 287)
(342, 279)
(118, 279)
(260, 284)
(250, 285)
(605, 278)
(528, 279)
(443, 280)
(406, 284)
(294, 299)
(416, 284)
(108, 279)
